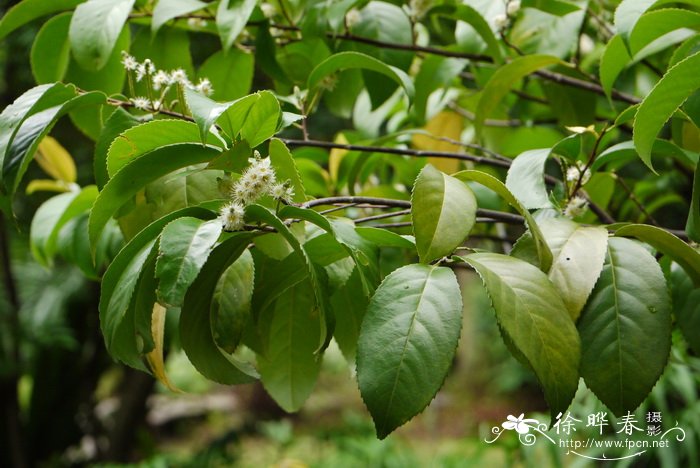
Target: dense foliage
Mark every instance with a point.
(251, 229)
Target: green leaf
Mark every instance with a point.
(472, 17)
(531, 313)
(579, 254)
(118, 283)
(663, 100)
(503, 80)
(52, 216)
(347, 60)
(686, 305)
(261, 122)
(231, 18)
(94, 29)
(27, 10)
(654, 24)
(116, 124)
(230, 73)
(443, 210)
(384, 238)
(230, 306)
(626, 327)
(149, 136)
(349, 307)
(286, 169)
(290, 366)
(692, 226)
(195, 319)
(165, 10)
(627, 14)
(206, 112)
(525, 179)
(135, 175)
(50, 52)
(615, 58)
(407, 342)
(670, 245)
(543, 253)
(184, 247)
(37, 124)
(435, 72)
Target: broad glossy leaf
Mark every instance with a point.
(230, 73)
(286, 169)
(531, 313)
(118, 283)
(443, 210)
(628, 13)
(665, 98)
(615, 58)
(384, 238)
(206, 112)
(654, 24)
(50, 52)
(116, 124)
(525, 179)
(261, 122)
(139, 140)
(626, 327)
(503, 80)
(231, 18)
(290, 366)
(135, 175)
(435, 72)
(52, 216)
(668, 244)
(230, 306)
(543, 253)
(195, 319)
(94, 29)
(347, 60)
(349, 306)
(27, 10)
(35, 126)
(165, 10)
(407, 342)
(579, 253)
(184, 246)
(472, 17)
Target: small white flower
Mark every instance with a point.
(500, 21)
(140, 71)
(233, 216)
(573, 173)
(268, 9)
(586, 44)
(576, 207)
(129, 61)
(149, 67)
(160, 80)
(179, 76)
(352, 17)
(513, 7)
(140, 103)
(204, 86)
(282, 192)
(196, 23)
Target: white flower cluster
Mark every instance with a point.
(576, 207)
(160, 80)
(258, 180)
(579, 170)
